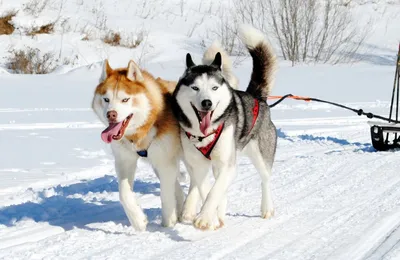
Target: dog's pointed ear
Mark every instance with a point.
(134, 73)
(217, 61)
(105, 71)
(189, 61)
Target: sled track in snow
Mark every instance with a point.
(331, 196)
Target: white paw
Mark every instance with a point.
(221, 217)
(169, 222)
(221, 222)
(187, 217)
(140, 223)
(205, 222)
(267, 214)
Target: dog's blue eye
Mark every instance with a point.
(106, 100)
(214, 88)
(125, 100)
(195, 88)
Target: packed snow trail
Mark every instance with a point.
(335, 197)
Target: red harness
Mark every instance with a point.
(256, 110)
(206, 150)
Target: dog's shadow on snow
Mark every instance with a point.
(63, 206)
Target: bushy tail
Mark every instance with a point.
(167, 85)
(209, 56)
(264, 62)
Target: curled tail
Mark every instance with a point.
(264, 62)
(227, 71)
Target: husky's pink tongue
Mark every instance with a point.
(110, 131)
(205, 121)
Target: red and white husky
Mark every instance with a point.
(135, 108)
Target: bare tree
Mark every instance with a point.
(320, 31)
(35, 7)
(226, 31)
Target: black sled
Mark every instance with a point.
(386, 136)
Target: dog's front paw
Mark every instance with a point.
(205, 222)
(267, 214)
(221, 222)
(187, 217)
(169, 222)
(140, 223)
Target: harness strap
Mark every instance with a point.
(200, 138)
(206, 150)
(142, 153)
(256, 111)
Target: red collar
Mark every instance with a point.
(206, 150)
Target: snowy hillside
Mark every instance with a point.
(335, 196)
(80, 26)
(152, 31)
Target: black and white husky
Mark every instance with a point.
(217, 121)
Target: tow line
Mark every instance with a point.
(384, 136)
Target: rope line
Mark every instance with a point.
(359, 112)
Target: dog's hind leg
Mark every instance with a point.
(125, 166)
(264, 168)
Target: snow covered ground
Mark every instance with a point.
(335, 196)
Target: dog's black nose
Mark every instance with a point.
(112, 116)
(206, 104)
